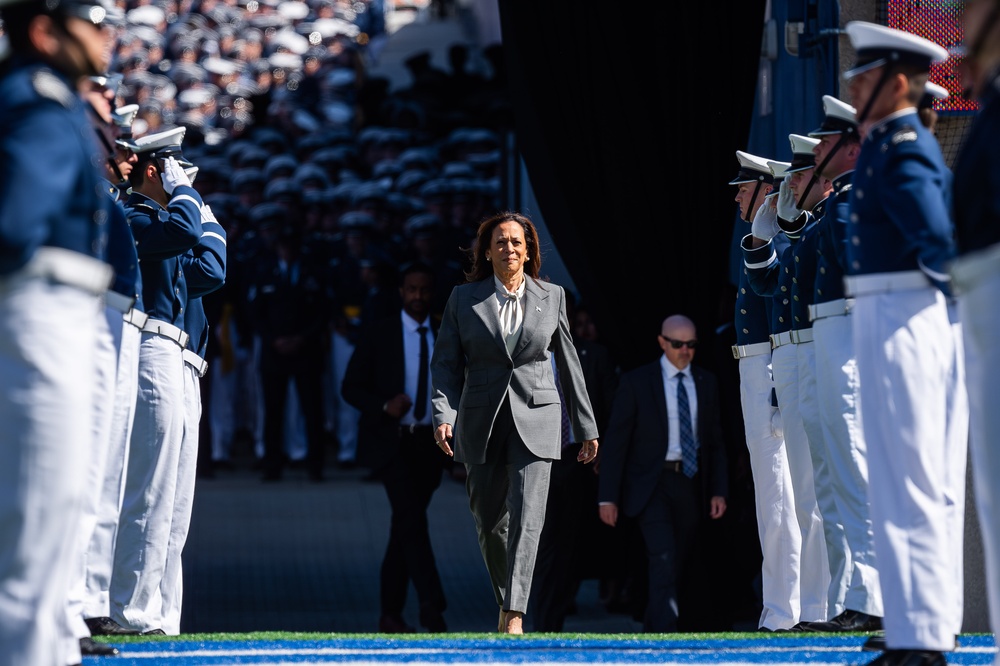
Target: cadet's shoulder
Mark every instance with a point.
(29, 84)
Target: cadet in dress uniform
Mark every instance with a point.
(52, 277)
(164, 211)
(126, 317)
(769, 259)
(837, 372)
(87, 602)
(900, 246)
(780, 537)
(977, 274)
(204, 272)
(799, 204)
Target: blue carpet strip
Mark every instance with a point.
(771, 650)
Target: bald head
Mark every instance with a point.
(677, 339)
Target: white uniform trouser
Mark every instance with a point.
(906, 355)
(150, 486)
(847, 456)
(980, 322)
(101, 550)
(47, 343)
(814, 569)
(172, 585)
(105, 369)
(347, 416)
(780, 537)
(957, 442)
(838, 553)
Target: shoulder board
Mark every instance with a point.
(904, 134)
(51, 86)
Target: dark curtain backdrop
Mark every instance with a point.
(628, 116)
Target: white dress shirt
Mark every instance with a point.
(411, 357)
(511, 311)
(673, 423)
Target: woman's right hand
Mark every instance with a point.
(442, 435)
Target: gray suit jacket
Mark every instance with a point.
(471, 371)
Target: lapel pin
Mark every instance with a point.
(538, 309)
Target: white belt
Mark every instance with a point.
(756, 349)
(881, 283)
(119, 302)
(835, 308)
(779, 339)
(199, 364)
(166, 330)
(801, 335)
(66, 267)
(137, 318)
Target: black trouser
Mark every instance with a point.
(309, 387)
(410, 481)
(669, 525)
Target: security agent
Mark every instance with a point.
(837, 373)
(900, 245)
(165, 214)
(52, 275)
(780, 537)
(770, 268)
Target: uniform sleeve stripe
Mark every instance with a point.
(764, 264)
(212, 234)
(184, 197)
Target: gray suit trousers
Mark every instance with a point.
(507, 497)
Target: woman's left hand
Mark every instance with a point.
(588, 451)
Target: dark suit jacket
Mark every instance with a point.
(376, 373)
(635, 443)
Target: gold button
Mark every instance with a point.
(784, 288)
(781, 319)
(742, 290)
(742, 311)
(822, 270)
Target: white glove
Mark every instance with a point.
(207, 215)
(786, 203)
(173, 175)
(765, 220)
(192, 173)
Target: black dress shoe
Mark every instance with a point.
(91, 648)
(154, 632)
(910, 658)
(849, 620)
(394, 624)
(105, 626)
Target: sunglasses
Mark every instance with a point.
(677, 344)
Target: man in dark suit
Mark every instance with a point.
(388, 381)
(569, 519)
(664, 461)
(292, 311)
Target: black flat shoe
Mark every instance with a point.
(91, 648)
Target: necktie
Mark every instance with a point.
(420, 404)
(689, 451)
(510, 319)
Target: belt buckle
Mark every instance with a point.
(736, 352)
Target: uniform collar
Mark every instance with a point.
(895, 115)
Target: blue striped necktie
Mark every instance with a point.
(689, 449)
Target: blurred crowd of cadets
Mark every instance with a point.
(293, 137)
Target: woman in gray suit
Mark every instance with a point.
(504, 340)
